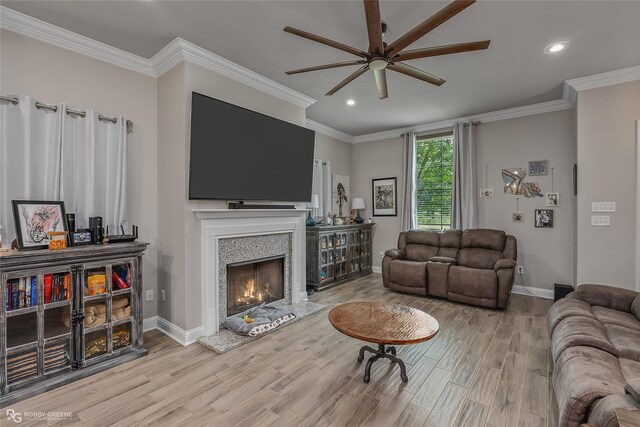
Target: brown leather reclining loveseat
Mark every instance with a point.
(472, 266)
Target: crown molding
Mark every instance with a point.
(31, 27)
(604, 79)
(171, 55)
(181, 50)
(493, 116)
(329, 131)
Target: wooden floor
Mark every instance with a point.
(484, 368)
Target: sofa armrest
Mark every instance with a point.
(504, 263)
(607, 296)
(395, 253)
(444, 260)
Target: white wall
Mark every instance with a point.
(545, 253)
(339, 153)
(606, 135)
(52, 75)
(378, 159)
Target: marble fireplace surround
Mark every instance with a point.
(223, 229)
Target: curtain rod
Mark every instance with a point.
(69, 111)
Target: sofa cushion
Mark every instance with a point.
(603, 413)
(581, 376)
(577, 331)
(625, 340)
(473, 282)
(450, 243)
(607, 316)
(479, 258)
(607, 296)
(408, 273)
(484, 238)
(418, 237)
(635, 307)
(630, 368)
(567, 307)
(420, 253)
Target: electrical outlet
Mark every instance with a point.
(601, 220)
(149, 295)
(520, 269)
(162, 295)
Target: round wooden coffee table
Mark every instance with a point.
(383, 324)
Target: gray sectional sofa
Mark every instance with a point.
(595, 346)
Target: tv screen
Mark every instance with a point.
(238, 154)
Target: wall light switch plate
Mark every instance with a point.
(163, 295)
(603, 206)
(149, 295)
(601, 220)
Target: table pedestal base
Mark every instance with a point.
(381, 353)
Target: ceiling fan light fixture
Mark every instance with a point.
(556, 47)
(377, 64)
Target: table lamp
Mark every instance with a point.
(358, 203)
(315, 204)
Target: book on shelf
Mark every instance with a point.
(21, 293)
(34, 290)
(48, 282)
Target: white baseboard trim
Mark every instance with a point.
(376, 269)
(539, 292)
(177, 333)
(150, 323)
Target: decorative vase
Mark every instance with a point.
(359, 219)
(310, 221)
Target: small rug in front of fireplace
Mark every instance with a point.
(226, 340)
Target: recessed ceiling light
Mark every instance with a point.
(351, 102)
(555, 47)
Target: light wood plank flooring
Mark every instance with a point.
(484, 368)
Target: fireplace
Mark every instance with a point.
(251, 283)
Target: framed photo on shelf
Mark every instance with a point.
(544, 218)
(553, 199)
(384, 196)
(35, 219)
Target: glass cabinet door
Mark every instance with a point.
(354, 251)
(326, 260)
(365, 246)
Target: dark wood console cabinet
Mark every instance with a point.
(337, 253)
(67, 314)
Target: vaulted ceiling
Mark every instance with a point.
(514, 71)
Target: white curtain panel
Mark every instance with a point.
(409, 211)
(94, 170)
(321, 186)
(464, 212)
(29, 157)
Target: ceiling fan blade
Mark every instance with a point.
(381, 83)
(348, 80)
(326, 67)
(325, 41)
(414, 72)
(374, 27)
(442, 50)
(435, 20)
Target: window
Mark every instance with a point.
(434, 176)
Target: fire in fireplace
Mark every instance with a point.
(255, 282)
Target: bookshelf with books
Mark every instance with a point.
(67, 314)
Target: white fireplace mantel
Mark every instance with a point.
(219, 224)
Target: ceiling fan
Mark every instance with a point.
(381, 56)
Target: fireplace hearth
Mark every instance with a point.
(255, 282)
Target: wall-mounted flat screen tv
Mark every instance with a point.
(238, 154)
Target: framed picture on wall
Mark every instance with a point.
(35, 219)
(538, 167)
(384, 196)
(552, 199)
(544, 218)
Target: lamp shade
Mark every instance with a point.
(315, 204)
(357, 203)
